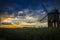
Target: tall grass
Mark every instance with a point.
(30, 34)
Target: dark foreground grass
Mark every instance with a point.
(30, 34)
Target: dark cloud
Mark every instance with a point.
(32, 4)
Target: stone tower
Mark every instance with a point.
(53, 19)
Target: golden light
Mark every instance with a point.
(22, 24)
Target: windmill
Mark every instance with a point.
(53, 17)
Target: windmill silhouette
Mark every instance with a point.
(52, 17)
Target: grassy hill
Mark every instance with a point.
(30, 34)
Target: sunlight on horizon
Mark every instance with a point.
(15, 22)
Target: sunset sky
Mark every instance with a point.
(26, 10)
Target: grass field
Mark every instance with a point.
(30, 34)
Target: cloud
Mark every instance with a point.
(20, 12)
(30, 15)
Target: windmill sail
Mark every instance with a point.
(44, 10)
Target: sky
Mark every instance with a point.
(28, 7)
(26, 10)
(32, 4)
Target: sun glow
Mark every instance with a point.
(19, 23)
